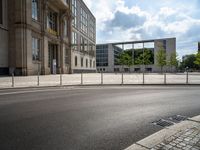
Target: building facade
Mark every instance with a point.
(3, 37)
(36, 36)
(83, 38)
(107, 55)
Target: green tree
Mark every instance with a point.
(188, 61)
(197, 59)
(161, 58)
(125, 59)
(146, 58)
(173, 61)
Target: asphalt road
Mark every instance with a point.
(89, 118)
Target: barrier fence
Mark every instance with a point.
(100, 79)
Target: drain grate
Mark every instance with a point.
(178, 118)
(163, 123)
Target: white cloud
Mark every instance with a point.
(159, 22)
(166, 11)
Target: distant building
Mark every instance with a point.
(107, 54)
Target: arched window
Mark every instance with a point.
(82, 62)
(94, 64)
(86, 63)
(65, 28)
(76, 61)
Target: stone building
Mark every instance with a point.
(36, 35)
(83, 38)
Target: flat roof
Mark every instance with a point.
(136, 42)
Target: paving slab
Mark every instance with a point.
(156, 138)
(136, 147)
(183, 125)
(197, 119)
(181, 136)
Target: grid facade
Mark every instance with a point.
(83, 38)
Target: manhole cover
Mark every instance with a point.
(178, 118)
(163, 123)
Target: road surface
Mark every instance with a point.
(89, 118)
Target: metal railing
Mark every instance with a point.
(101, 79)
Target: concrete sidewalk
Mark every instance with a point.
(182, 136)
(99, 79)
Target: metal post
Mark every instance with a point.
(122, 78)
(60, 79)
(101, 77)
(38, 80)
(38, 76)
(187, 78)
(143, 63)
(81, 78)
(143, 78)
(13, 80)
(165, 78)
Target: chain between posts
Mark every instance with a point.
(81, 78)
(60, 79)
(101, 77)
(165, 78)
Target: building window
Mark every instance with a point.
(52, 22)
(1, 12)
(84, 44)
(76, 61)
(35, 49)
(74, 41)
(84, 21)
(90, 63)
(102, 55)
(35, 9)
(94, 64)
(82, 62)
(74, 12)
(92, 28)
(66, 56)
(86, 63)
(65, 28)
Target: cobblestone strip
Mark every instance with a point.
(188, 139)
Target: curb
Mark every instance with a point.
(86, 85)
(160, 136)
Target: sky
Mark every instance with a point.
(130, 20)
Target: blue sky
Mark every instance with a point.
(128, 20)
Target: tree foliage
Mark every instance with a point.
(147, 58)
(197, 59)
(188, 61)
(161, 58)
(173, 61)
(125, 59)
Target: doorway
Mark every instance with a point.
(53, 58)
